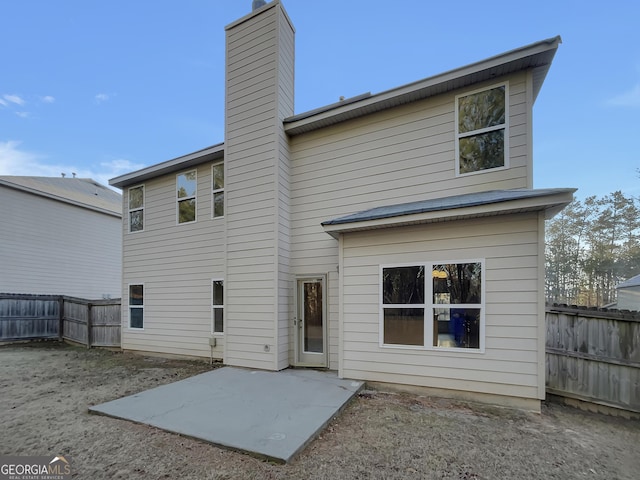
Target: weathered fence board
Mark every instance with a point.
(89, 322)
(105, 330)
(75, 322)
(26, 318)
(594, 356)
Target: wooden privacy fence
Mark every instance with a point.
(94, 323)
(594, 356)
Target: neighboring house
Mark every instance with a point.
(628, 295)
(395, 238)
(60, 236)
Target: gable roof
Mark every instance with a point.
(81, 192)
(536, 56)
(456, 207)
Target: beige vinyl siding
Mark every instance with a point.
(250, 173)
(259, 58)
(176, 263)
(542, 323)
(398, 155)
(509, 364)
(628, 298)
(51, 247)
(284, 282)
(285, 84)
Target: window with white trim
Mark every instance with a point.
(481, 130)
(136, 306)
(217, 304)
(433, 305)
(217, 194)
(136, 209)
(186, 188)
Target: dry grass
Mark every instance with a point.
(45, 390)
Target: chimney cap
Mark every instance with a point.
(257, 4)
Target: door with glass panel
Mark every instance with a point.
(310, 323)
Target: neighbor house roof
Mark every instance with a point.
(632, 282)
(81, 192)
(457, 207)
(536, 56)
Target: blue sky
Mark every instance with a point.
(103, 88)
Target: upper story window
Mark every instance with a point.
(481, 130)
(218, 190)
(136, 209)
(186, 196)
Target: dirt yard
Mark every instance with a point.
(46, 388)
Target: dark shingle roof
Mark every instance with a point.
(446, 203)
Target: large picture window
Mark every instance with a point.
(136, 209)
(186, 196)
(481, 130)
(433, 305)
(136, 306)
(218, 190)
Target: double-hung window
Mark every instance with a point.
(136, 209)
(218, 306)
(186, 184)
(433, 305)
(218, 190)
(403, 309)
(481, 130)
(136, 306)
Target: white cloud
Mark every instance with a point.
(115, 168)
(630, 98)
(14, 99)
(120, 166)
(23, 114)
(9, 101)
(101, 97)
(15, 160)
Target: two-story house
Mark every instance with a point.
(395, 237)
(60, 236)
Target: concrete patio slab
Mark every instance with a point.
(269, 414)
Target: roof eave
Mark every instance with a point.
(57, 198)
(550, 204)
(537, 57)
(215, 152)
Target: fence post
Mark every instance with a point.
(61, 318)
(89, 324)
